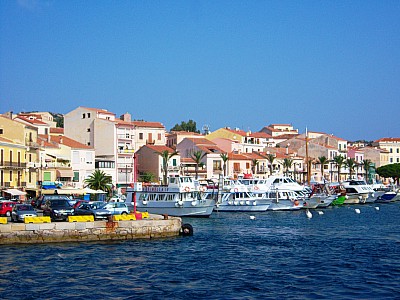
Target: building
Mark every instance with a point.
(150, 161)
(392, 145)
(115, 140)
(279, 129)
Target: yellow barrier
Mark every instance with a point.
(124, 218)
(3, 220)
(37, 220)
(80, 218)
(145, 215)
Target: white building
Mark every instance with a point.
(115, 140)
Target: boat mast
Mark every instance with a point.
(307, 161)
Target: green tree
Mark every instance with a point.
(390, 171)
(350, 163)
(197, 156)
(254, 163)
(166, 156)
(147, 177)
(189, 126)
(225, 158)
(339, 161)
(367, 164)
(99, 180)
(270, 158)
(287, 164)
(322, 160)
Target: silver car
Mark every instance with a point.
(20, 211)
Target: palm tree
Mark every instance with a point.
(367, 164)
(270, 158)
(287, 163)
(99, 180)
(166, 156)
(351, 164)
(254, 163)
(339, 161)
(197, 156)
(225, 158)
(323, 161)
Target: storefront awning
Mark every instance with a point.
(65, 173)
(14, 192)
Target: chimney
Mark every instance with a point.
(126, 117)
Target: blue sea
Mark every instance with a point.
(278, 255)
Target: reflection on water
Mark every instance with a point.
(337, 255)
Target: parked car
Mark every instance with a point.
(116, 208)
(43, 199)
(79, 202)
(57, 209)
(86, 208)
(20, 211)
(6, 207)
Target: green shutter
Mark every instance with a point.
(46, 176)
(76, 176)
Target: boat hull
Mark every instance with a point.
(239, 206)
(197, 208)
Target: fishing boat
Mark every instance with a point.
(182, 197)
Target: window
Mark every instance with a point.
(159, 137)
(391, 150)
(236, 167)
(174, 162)
(76, 176)
(391, 160)
(1, 130)
(88, 130)
(88, 143)
(141, 136)
(88, 115)
(217, 165)
(83, 116)
(397, 150)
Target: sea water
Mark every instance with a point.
(272, 255)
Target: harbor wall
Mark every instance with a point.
(20, 233)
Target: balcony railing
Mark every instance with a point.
(126, 151)
(151, 142)
(13, 165)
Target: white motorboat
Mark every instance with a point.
(281, 199)
(357, 191)
(182, 197)
(240, 199)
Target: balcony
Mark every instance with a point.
(12, 165)
(150, 142)
(126, 151)
(125, 136)
(173, 169)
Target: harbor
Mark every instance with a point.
(275, 255)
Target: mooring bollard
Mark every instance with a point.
(165, 216)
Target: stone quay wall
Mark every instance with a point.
(20, 233)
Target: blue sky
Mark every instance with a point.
(333, 66)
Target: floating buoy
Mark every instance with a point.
(252, 217)
(309, 214)
(357, 211)
(320, 212)
(377, 208)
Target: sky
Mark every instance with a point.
(331, 66)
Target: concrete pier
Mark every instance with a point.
(153, 227)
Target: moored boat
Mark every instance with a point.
(182, 197)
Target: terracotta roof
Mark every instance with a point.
(185, 133)
(239, 131)
(148, 124)
(43, 142)
(6, 140)
(57, 130)
(63, 140)
(202, 141)
(388, 139)
(285, 136)
(99, 110)
(260, 135)
(160, 148)
(31, 121)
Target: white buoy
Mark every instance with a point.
(309, 214)
(252, 217)
(357, 211)
(377, 208)
(321, 212)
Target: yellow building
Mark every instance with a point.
(18, 153)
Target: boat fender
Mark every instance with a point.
(186, 230)
(256, 188)
(144, 202)
(296, 203)
(187, 189)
